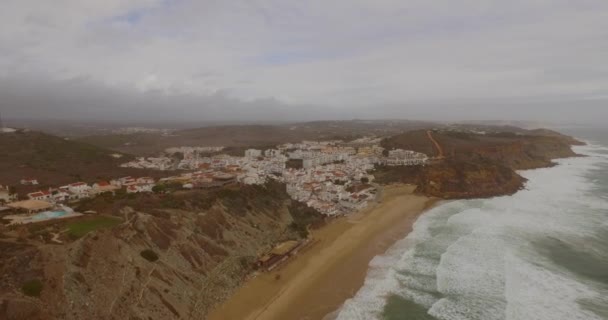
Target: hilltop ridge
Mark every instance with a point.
(252, 135)
(54, 160)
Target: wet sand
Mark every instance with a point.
(317, 281)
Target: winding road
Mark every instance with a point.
(437, 145)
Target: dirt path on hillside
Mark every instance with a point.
(440, 154)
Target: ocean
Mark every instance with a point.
(539, 254)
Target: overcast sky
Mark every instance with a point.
(292, 60)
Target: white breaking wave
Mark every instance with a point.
(478, 259)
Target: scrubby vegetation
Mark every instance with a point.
(54, 161)
(32, 288)
(149, 255)
(81, 228)
(303, 218)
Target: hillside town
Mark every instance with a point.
(333, 177)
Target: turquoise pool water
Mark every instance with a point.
(48, 215)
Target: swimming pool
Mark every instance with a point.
(48, 215)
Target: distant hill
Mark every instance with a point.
(252, 135)
(54, 160)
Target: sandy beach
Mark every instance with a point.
(317, 281)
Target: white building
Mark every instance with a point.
(400, 157)
(79, 187)
(137, 188)
(29, 181)
(253, 153)
(6, 195)
(271, 153)
(40, 195)
(60, 196)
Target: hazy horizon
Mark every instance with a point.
(146, 61)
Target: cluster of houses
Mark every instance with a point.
(333, 177)
(155, 163)
(80, 190)
(332, 189)
(400, 157)
(183, 158)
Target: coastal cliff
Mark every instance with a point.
(476, 165)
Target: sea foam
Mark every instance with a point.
(484, 259)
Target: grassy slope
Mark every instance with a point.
(80, 228)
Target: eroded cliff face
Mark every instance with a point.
(171, 261)
(524, 154)
(455, 180)
(452, 179)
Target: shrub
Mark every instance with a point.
(32, 288)
(149, 255)
(159, 188)
(81, 228)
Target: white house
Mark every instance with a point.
(103, 186)
(29, 181)
(127, 181)
(39, 195)
(145, 180)
(145, 187)
(79, 188)
(60, 196)
(142, 187)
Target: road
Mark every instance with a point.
(437, 145)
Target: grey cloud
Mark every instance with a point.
(85, 99)
(343, 59)
(82, 98)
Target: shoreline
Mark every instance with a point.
(328, 273)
